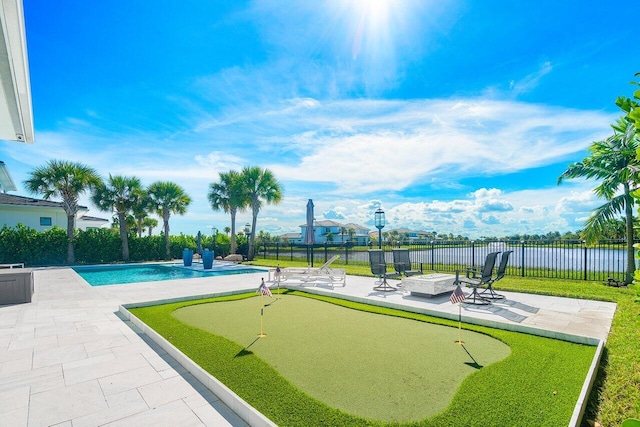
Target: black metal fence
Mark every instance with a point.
(563, 259)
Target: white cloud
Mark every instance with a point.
(354, 156)
(529, 82)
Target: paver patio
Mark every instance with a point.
(69, 359)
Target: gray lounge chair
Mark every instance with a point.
(472, 280)
(502, 269)
(379, 269)
(402, 263)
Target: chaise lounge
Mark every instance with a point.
(322, 274)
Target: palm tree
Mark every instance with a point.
(612, 161)
(140, 209)
(227, 195)
(149, 223)
(351, 232)
(260, 185)
(119, 194)
(167, 198)
(67, 180)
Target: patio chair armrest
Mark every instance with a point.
(472, 272)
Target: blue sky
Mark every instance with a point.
(453, 116)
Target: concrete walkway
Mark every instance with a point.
(68, 359)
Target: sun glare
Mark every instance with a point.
(373, 23)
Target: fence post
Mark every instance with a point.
(291, 246)
(325, 251)
(277, 251)
(522, 259)
(432, 255)
(585, 259)
(473, 253)
(346, 254)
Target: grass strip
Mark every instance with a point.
(538, 384)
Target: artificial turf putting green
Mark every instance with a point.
(538, 384)
(370, 365)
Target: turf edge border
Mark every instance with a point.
(255, 418)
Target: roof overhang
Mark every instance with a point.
(16, 116)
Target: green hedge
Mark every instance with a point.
(96, 246)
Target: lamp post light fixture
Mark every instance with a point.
(379, 222)
(247, 229)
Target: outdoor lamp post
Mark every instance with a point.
(380, 223)
(247, 229)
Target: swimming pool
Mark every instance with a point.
(101, 275)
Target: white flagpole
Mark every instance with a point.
(460, 324)
(261, 334)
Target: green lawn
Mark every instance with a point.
(536, 384)
(616, 394)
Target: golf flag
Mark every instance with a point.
(457, 295)
(264, 289)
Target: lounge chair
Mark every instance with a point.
(324, 273)
(379, 269)
(402, 263)
(473, 281)
(502, 269)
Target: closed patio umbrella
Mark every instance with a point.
(199, 243)
(309, 237)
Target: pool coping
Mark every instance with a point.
(255, 418)
(227, 266)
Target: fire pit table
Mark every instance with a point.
(429, 285)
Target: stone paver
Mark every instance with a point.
(69, 359)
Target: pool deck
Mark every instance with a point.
(69, 359)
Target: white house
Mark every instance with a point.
(41, 214)
(336, 232)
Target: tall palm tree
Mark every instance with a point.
(167, 198)
(613, 162)
(228, 195)
(119, 194)
(140, 209)
(67, 180)
(260, 185)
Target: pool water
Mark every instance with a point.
(122, 274)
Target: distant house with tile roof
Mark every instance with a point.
(42, 215)
(334, 231)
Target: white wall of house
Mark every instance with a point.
(33, 217)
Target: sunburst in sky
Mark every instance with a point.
(454, 116)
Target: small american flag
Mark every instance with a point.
(457, 295)
(264, 290)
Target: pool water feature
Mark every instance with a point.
(102, 275)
